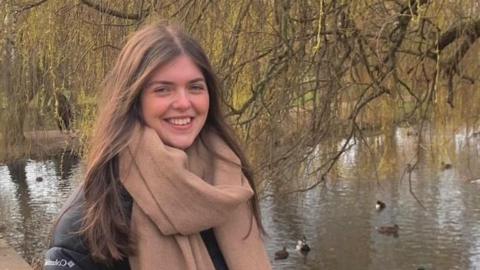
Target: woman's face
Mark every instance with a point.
(175, 102)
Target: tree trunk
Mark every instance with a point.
(12, 126)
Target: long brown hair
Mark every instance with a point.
(106, 223)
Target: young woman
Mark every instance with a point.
(167, 185)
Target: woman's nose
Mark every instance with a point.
(182, 100)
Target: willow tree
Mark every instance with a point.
(294, 73)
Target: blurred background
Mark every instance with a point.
(337, 103)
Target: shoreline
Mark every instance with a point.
(9, 258)
(41, 144)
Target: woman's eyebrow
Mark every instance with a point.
(159, 82)
(197, 80)
(171, 83)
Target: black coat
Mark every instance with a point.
(68, 251)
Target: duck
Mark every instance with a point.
(476, 181)
(412, 133)
(446, 166)
(380, 205)
(409, 168)
(281, 254)
(302, 246)
(389, 230)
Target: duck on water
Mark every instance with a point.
(281, 254)
(380, 205)
(389, 230)
(302, 246)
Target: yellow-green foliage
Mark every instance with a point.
(318, 66)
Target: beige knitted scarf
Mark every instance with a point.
(178, 194)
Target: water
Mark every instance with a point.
(338, 217)
(28, 206)
(339, 222)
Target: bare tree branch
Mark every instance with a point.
(30, 6)
(456, 32)
(115, 13)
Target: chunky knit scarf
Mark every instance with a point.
(178, 194)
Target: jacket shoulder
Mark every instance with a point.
(66, 230)
(67, 249)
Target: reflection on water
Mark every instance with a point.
(338, 218)
(28, 205)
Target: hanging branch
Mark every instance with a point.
(472, 32)
(115, 13)
(398, 34)
(30, 6)
(456, 32)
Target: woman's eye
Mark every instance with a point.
(161, 89)
(197, 87)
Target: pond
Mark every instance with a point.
(439, 231)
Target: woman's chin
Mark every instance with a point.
(179, 144)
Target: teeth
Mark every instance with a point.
(180, 121)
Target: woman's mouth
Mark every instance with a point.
(180, 121)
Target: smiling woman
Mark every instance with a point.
(167, 185)
(175, 102)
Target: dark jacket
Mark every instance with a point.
(68, 250)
